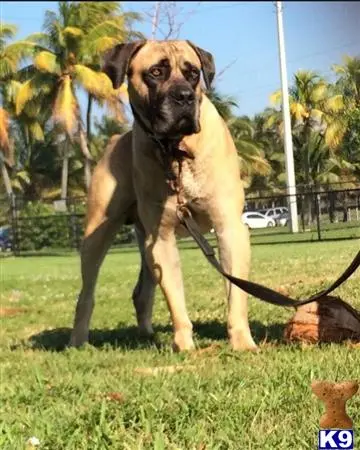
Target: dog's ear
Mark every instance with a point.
(117, 60)
(207, 64)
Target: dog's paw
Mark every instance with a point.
(78, 339)
(241, 342)
(146, 331)
(183, 341)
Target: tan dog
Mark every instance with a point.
(129, 185)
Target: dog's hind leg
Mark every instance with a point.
(143, 294)
(94, 248)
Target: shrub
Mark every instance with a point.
(39, 226)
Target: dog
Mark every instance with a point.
(129, 185)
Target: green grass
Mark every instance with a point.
(223, 400)
(328, 231)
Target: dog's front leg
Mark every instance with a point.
(234, 248)
(164, 259)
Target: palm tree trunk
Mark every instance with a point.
(87, 163)
(5, 177)
(88, 118)
(307, 176)
(331, 200)
(65, 171)
(345, 208)
(87, 173)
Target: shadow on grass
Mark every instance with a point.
(127, 337)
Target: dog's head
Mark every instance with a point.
(163, 82)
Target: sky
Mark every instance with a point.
(242, 36)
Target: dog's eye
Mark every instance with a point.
(194, 74)
(156, 72)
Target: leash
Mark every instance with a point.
(257, 290)
(169, 152)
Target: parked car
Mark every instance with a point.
(5, 239)
(254, 219)
(283, 219)
(274, 213)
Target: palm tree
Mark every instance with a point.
(74, 38)
(314, 107)
(11, 56)
(38, 171)
(251, 154)
(108, 26)
(5, 150)
(223, 103)
(348, 83)
(268, 126)
(105, 129)
(349, 79)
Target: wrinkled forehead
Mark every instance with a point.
(177, 53)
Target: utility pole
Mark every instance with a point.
(289, 157)
(155, 20)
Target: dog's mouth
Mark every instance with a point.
(184, 125)
(188, 125)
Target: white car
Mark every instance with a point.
(274, 213)
(255, 219)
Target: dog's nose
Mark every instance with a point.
(183, 95)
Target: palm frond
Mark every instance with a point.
(334, 133)
(135, 36)
(276, 98)
(108, 28)
(101, 45)
(334, 104)
(19, 50)
(40, 39)
(40, 84)
(72, 31)
(96, 83)
(12, 88)
(7, 68)
(338, 69)
(116, 109)
(46, 62)
(316, 114)
(318, 92)
(298, 111)
(23, 175)
(26, 72)
(7, 30)
(270, 121)
(65, 107)
(4, 131)
(132, 16)
(36, 131)
(24, 93)
(93, 13)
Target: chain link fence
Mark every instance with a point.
(28, 227)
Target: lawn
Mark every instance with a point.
(108, 395)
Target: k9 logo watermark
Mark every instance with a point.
(336, 439)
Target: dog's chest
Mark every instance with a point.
(193, 182)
